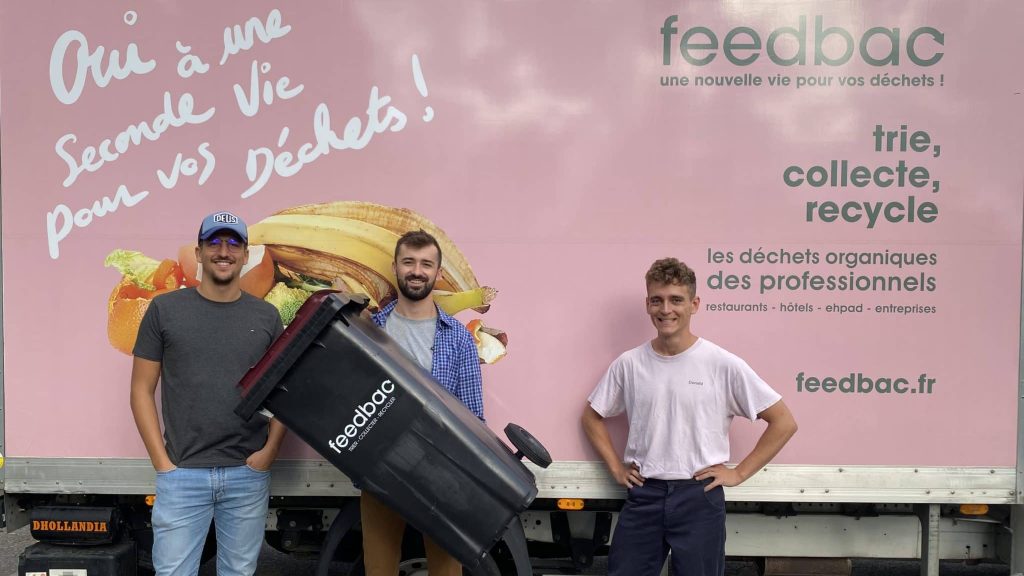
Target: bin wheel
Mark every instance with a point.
(527, 445)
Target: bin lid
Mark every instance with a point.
(312, 317)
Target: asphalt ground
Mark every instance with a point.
(274, 563)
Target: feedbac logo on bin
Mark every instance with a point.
(366, 416)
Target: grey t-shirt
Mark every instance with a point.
(416, 337)
(205, 348)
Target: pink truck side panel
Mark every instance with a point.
(541, 139)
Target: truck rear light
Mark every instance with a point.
(570, 504)
(974, 509)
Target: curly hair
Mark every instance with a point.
(672, 271)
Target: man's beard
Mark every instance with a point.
(222, 281)
(418, 293)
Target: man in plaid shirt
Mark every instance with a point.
(443, 347)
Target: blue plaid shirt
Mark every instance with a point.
(455, 363)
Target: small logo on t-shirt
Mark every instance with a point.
(695, 382)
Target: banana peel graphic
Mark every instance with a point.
(348, 245)
(456, 274)
(352, 243)
(355, 241)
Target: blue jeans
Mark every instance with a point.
(670, 514)
(235, 498)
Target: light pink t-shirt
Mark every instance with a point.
(680, 407)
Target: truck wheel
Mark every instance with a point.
(407, 567)
(413, 567)
(414, 559)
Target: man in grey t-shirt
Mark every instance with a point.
(415, 336)
(210, 464)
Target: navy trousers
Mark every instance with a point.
(670, 514)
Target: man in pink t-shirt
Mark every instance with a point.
(680, 393)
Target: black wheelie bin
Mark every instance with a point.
(342, 385)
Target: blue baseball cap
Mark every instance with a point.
(223, 221)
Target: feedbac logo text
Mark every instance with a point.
(877, 46)
(366, 415)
